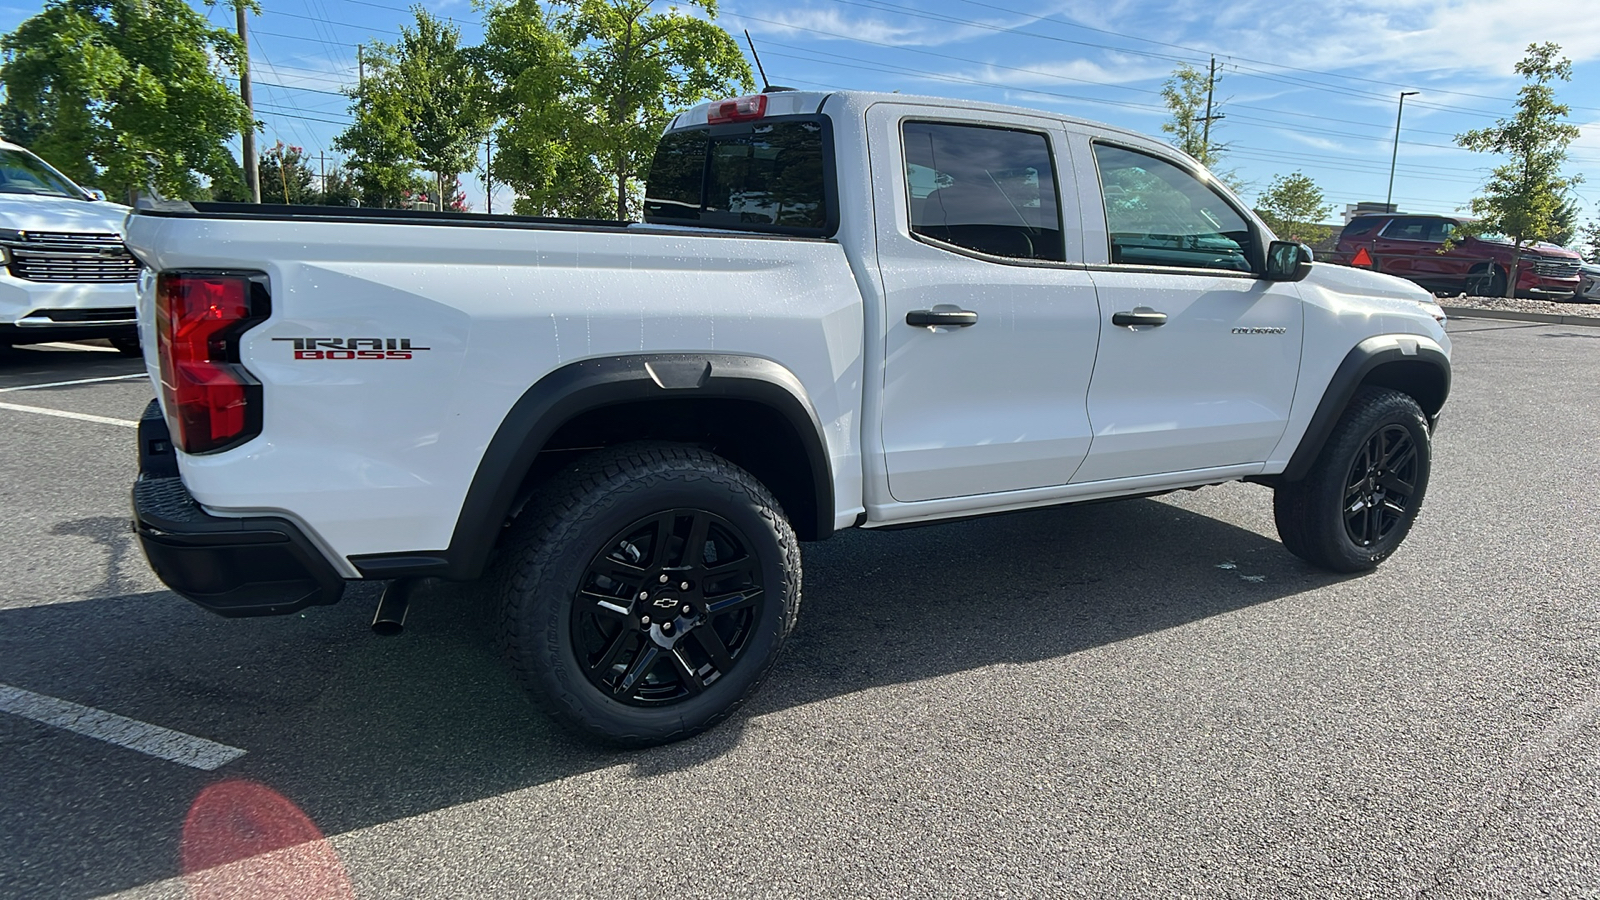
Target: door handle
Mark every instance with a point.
(947, 318)
(1139, 317)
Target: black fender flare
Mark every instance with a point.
(591, 384)
(1408, 358)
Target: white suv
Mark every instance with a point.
(64, 272)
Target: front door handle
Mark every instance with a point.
(1139, 317)
(950, 317)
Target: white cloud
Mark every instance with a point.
(830, 24)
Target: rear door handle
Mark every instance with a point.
(1139, 317)
(948, 318)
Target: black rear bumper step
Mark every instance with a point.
(254, 566)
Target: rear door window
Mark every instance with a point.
(992, 190)
(1419, 228)
(1361, 226)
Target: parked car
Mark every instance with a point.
(1589, 291)
(64, 272)
(844, 310)
(1412, 247)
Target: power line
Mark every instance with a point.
(1133, 37)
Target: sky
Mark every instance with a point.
(1303, 87)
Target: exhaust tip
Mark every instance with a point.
(390, 618)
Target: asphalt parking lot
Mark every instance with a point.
(1140, 699)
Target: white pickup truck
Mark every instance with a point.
(64, 273)
(843, 310)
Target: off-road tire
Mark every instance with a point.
(1310, 513)
(550, 551)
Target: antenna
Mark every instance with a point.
(766, 87)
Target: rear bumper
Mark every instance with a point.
(254, 566)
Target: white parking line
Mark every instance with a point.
(82, 417)
(35, 387)
(62, 345)
(162, 743)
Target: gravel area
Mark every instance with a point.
(1501, 304)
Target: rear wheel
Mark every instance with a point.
(127, 345)
(648, 592)
(1360, 498)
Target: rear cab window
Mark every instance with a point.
(773, 175)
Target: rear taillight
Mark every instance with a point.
(212, 402)
(739, 109)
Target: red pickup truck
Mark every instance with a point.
(1412, 247)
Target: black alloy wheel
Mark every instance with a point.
(667, 608)
(646, 592)
(1360, 497)
(1380, 486)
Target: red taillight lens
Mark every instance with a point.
(739, 109)
(212, 402)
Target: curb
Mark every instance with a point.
(1467, 312)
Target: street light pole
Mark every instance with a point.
(1388, 202)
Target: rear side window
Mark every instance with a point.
(1360, 226)
(766, 176)
(992, 190)
(1419, 229)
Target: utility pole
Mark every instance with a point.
(361, 69)
(322, 177)
(1388, 201)
(252, 171)
(1205, 128)
(488, 176)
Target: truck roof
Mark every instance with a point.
(788, 103)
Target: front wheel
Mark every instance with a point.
(1360, 498)
(648, 592)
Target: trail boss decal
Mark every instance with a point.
(352, 348)
(1262, 329)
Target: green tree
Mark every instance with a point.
(445, 93)
(285, 177)
(381, 152)
(635, 69)
(339, 188)
(1523, 198)
(421, 105)
(124, 93)
(1294, 207)
(539, 143)
(1589, 239)
(1186, 93)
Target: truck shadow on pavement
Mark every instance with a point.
(359, 730)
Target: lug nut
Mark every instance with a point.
(644, 595)
(686, 609)
(666, 627)
(684, 586)
(644, 620)
(663, 578)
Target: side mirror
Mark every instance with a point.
(1288, 261)
(95, 193)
